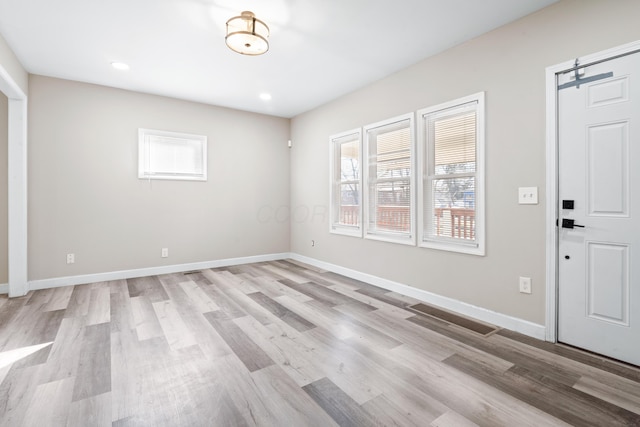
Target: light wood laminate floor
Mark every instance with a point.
(284, 344)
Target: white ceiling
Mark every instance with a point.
(320, 49)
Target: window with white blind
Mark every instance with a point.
(346, 183)
(389, 208)
(171, 155)
(451, 161)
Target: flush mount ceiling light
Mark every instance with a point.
(119, 65)
(247, 35)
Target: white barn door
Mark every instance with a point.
(599, 208)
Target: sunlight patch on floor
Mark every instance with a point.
(8, 357)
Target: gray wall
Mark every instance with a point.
(4, 236)
(509, 64)
(85, 197)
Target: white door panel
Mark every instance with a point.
(599, 170)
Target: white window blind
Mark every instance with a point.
(451, 201)
(346, 186)
(455, 139)
(390, 197)
(171, 155)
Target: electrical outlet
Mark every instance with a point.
(165, 252)
(525, 285)
(71, 258)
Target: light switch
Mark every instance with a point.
(528, 195)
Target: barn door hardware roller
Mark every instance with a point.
(578, 70)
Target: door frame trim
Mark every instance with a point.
(551, 231)
(17, 184)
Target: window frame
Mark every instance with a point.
(144, 143)
(335, 184)
(425, 159)
(389, 236)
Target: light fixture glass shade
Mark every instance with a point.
(247, 35)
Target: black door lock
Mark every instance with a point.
(570, 223)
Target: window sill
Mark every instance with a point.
(402, 240)
(470, 249)
(352, 232)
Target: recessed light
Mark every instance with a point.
(119, 65)
(265, 96)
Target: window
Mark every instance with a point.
(389, 176)
(451, 191)
(171, 155)
(346, 185)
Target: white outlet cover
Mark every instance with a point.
(528, 195)
(525, 285)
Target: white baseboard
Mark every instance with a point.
(482, 314)
(151, 271)
(4, 288)
(502, 320)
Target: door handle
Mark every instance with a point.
(570, 223)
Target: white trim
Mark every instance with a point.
(390, 237)
(502, 320)
(4, 289)
(150, 271)
(334, 226)
(551, 308)
(17, 184)
(403, 238)
(180, 142)
(552, 176)
(478, 247)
